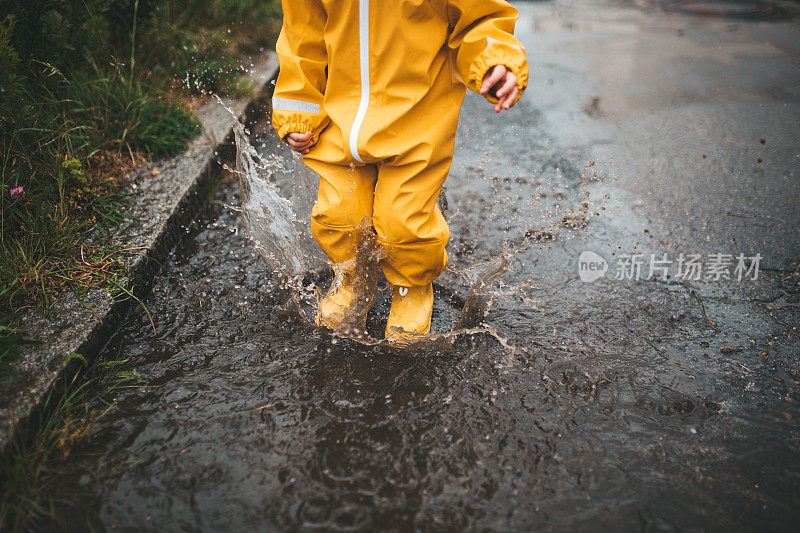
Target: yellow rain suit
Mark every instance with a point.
(380, 83)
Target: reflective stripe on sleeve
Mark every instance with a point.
(286, 104)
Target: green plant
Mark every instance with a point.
(124, 116)
(63, 138)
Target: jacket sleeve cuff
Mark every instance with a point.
(293, 127)
(484, 63)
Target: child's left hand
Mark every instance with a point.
(502, 83)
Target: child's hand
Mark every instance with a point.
(502, 83)
(300, 142)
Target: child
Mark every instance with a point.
(369, 92)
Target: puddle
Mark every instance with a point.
(579, 406)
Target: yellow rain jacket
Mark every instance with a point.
(380, 83)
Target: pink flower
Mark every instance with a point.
(16, 190)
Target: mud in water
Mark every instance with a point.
(607, 405)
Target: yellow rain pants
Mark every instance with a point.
(379, 83)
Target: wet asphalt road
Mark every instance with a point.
(696, 117)
(622, 407)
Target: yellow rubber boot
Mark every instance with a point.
(410, 316)
(345, 306)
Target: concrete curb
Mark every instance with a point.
(160, 209)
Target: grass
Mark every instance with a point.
(88, 91)
(32, 463)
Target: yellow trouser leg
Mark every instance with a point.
(344, 200)
(411, 227)
(409, 223)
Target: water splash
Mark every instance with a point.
(280, 231)
(271, 223)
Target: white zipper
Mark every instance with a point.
(363, 50)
